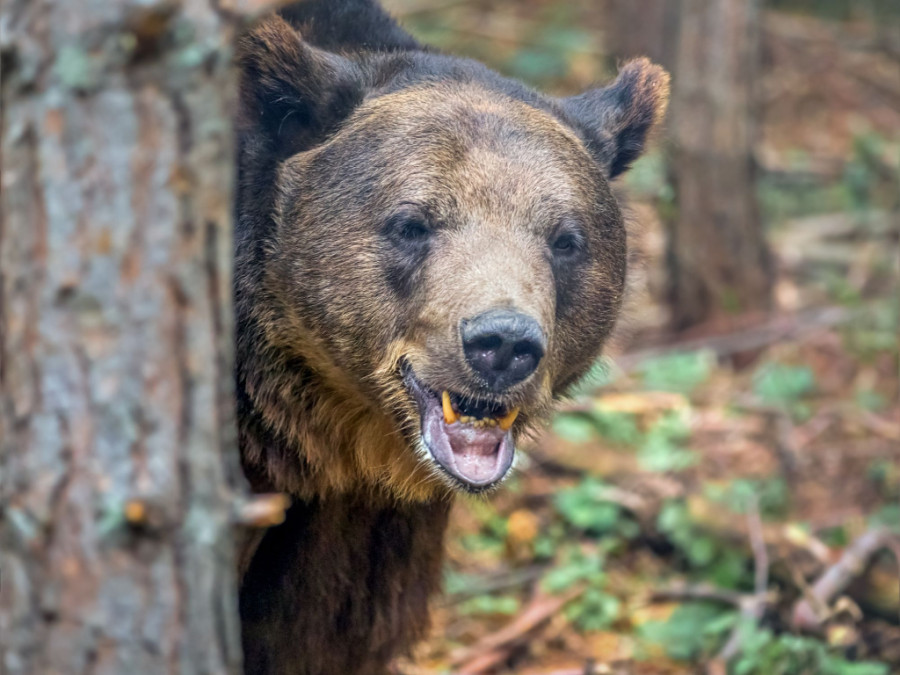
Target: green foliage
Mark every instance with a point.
(701, 552)
(885, 474)
(575, 567)
(835, 537)
(616, 427)
(771, 495)
(696, 630)
(456, 583)
(75, 69)
(692, 631)
(661, 448)
(507, 605)
(870, 400)
(865, 171)
(585, 508)
(765, 653)
(675, 521)
(574, 427)
(868, 183)
(681, 372)
(547, 543)
(888, 516)
(491, 537)
(775, 383)
(594, 610)
(874, 331)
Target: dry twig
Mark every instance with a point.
(752, 609)
(494, 648)
(837, 577)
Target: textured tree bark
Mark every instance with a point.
(117, 447)
(718, 260)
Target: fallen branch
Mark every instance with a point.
(752, 610)
(499, 582)
(778, 329)
(494, 648)
(838, 577)
(699, 593)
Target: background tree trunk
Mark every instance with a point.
(118, 461)
(718, 260)
(643, 28)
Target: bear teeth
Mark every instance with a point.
(506, 422)
(450, 415)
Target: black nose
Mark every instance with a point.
(502, 346)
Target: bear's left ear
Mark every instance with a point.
(291, 91)
(617, 119)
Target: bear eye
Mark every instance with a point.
(413, 231)
(408, 231)
(566, 244)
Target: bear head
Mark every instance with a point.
(429, 255)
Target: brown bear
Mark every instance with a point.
(428, 255)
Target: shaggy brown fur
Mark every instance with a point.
(387, 195)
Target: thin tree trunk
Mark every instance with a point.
(117, 446)
(718, 260)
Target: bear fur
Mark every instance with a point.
(389, 196)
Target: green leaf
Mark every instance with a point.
(491, 604)
(574, 428)
(617, 427)
(681, 372)
(660, 450)
(594, 610)
(776, 383)
(583, 507)
(691, 631)
(575, 567)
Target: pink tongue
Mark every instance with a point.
(479, 457)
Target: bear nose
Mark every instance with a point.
(502, 346)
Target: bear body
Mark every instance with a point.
(428, 255)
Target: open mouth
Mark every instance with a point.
(471, 440)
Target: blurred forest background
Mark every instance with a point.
(724, 495)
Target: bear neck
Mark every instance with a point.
(344, 581)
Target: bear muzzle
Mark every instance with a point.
(471, 440)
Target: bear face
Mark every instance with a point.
(442, 257)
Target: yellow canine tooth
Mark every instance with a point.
(507, 421)
(450, 416)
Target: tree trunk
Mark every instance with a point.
(117, 447)
(719, 264)
(643, 28)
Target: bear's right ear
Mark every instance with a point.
(291, 91)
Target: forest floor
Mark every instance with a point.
(726, 501)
